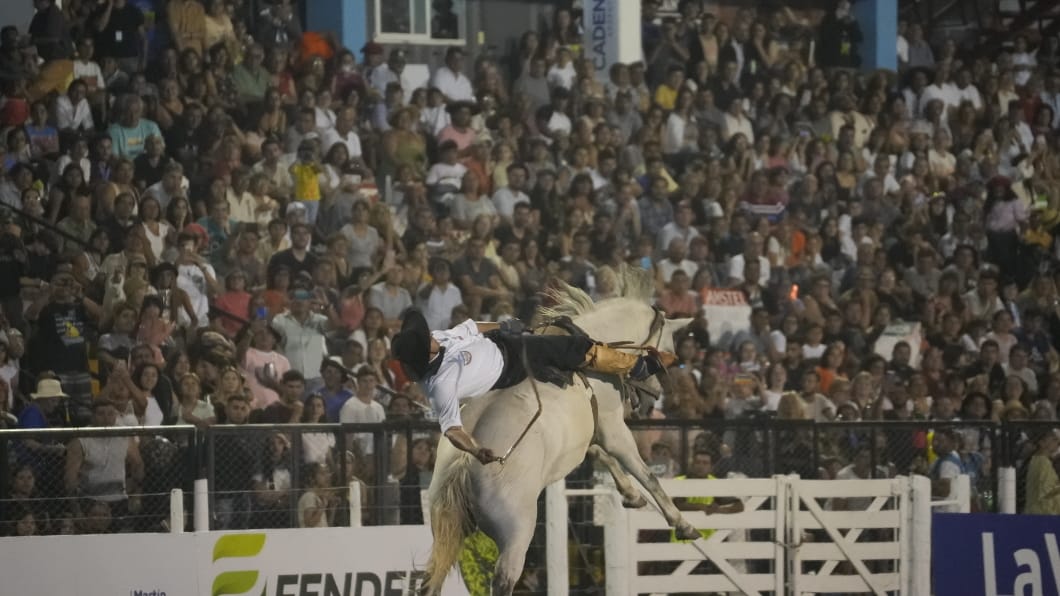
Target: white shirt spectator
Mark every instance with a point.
(671, 232)
(946, 92)
(947, 468)
(381, 76)
(505, 201)
(91, 73)
(434, 120)
(736, 265)
(351, 140)
(681, 134)
(304, 344)
(443, 173)
(971, 95)
(666, 268)
(325, 120)
(439, 305)
(242, 208)
(454, 85)
(159, 192)
(65, 160)
(73, 117)
(562, 76)
(731, 125)
(357, 411)
(560, 122)
(1025, 63)
(192, 280)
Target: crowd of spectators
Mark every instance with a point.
(213, 217)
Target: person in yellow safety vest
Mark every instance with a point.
(700, 467)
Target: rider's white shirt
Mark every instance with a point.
(470, 366)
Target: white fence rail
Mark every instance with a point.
(793, 536)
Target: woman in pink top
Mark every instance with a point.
(259, 342)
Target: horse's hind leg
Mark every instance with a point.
(631, 496)
(615, 438)
(511, 525)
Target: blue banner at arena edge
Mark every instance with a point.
(995, 555)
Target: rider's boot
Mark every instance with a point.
(605, 359)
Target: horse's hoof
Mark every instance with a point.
(634, 503)
(685, 531)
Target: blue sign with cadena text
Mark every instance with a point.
(995, 555)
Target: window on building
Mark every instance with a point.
(419, 21)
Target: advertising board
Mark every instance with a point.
(995, 555)
(368, 561)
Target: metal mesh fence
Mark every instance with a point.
(280, 476)
(759, 448)
(284, 476)
(90, 481)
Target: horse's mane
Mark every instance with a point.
(630, 283)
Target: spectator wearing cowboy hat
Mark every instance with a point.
(38, 413)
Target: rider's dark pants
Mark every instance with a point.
(551, 357)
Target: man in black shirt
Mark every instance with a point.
(237, 467)
(48, 31)
(120, 34)
(63, 316)
(298, 259)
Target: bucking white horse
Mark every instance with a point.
(501, 498)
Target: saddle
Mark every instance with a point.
(640, 397)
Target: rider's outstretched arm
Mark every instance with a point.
(465, 442)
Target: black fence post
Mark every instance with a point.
(5, 470)
(297, 480)
(771, 447)
(874, 458)
(816, 449)
(210, 477)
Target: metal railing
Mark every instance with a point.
(256, 475)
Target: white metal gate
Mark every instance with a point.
(793, 537)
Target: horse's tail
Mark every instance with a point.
(450, 522)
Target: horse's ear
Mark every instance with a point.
(672, 326)
(675, 325)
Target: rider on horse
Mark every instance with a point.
(472, 359)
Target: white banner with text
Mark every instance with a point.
(368, 561)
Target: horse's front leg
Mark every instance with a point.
(631, 496)
(617, 440)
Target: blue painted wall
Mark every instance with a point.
(879, 25)
(348, 19)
